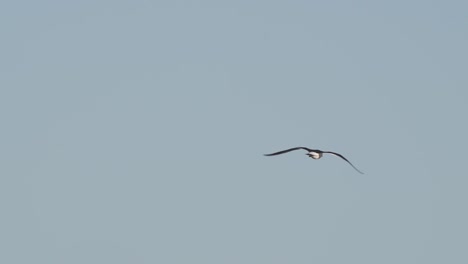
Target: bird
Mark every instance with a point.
(314, 153)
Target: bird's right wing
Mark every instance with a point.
(287, 150)
(341, 156)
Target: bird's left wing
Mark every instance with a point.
(287, 150)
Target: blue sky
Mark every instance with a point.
(134, 131)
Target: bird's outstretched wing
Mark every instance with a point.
(287, 150)
(341, 156)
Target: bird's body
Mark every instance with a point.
(314, 153)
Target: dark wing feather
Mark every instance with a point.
(341, 156)
(287, 150)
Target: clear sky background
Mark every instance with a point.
(134, 131)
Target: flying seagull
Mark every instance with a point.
(314, 153)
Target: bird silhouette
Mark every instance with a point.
(314, 153)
